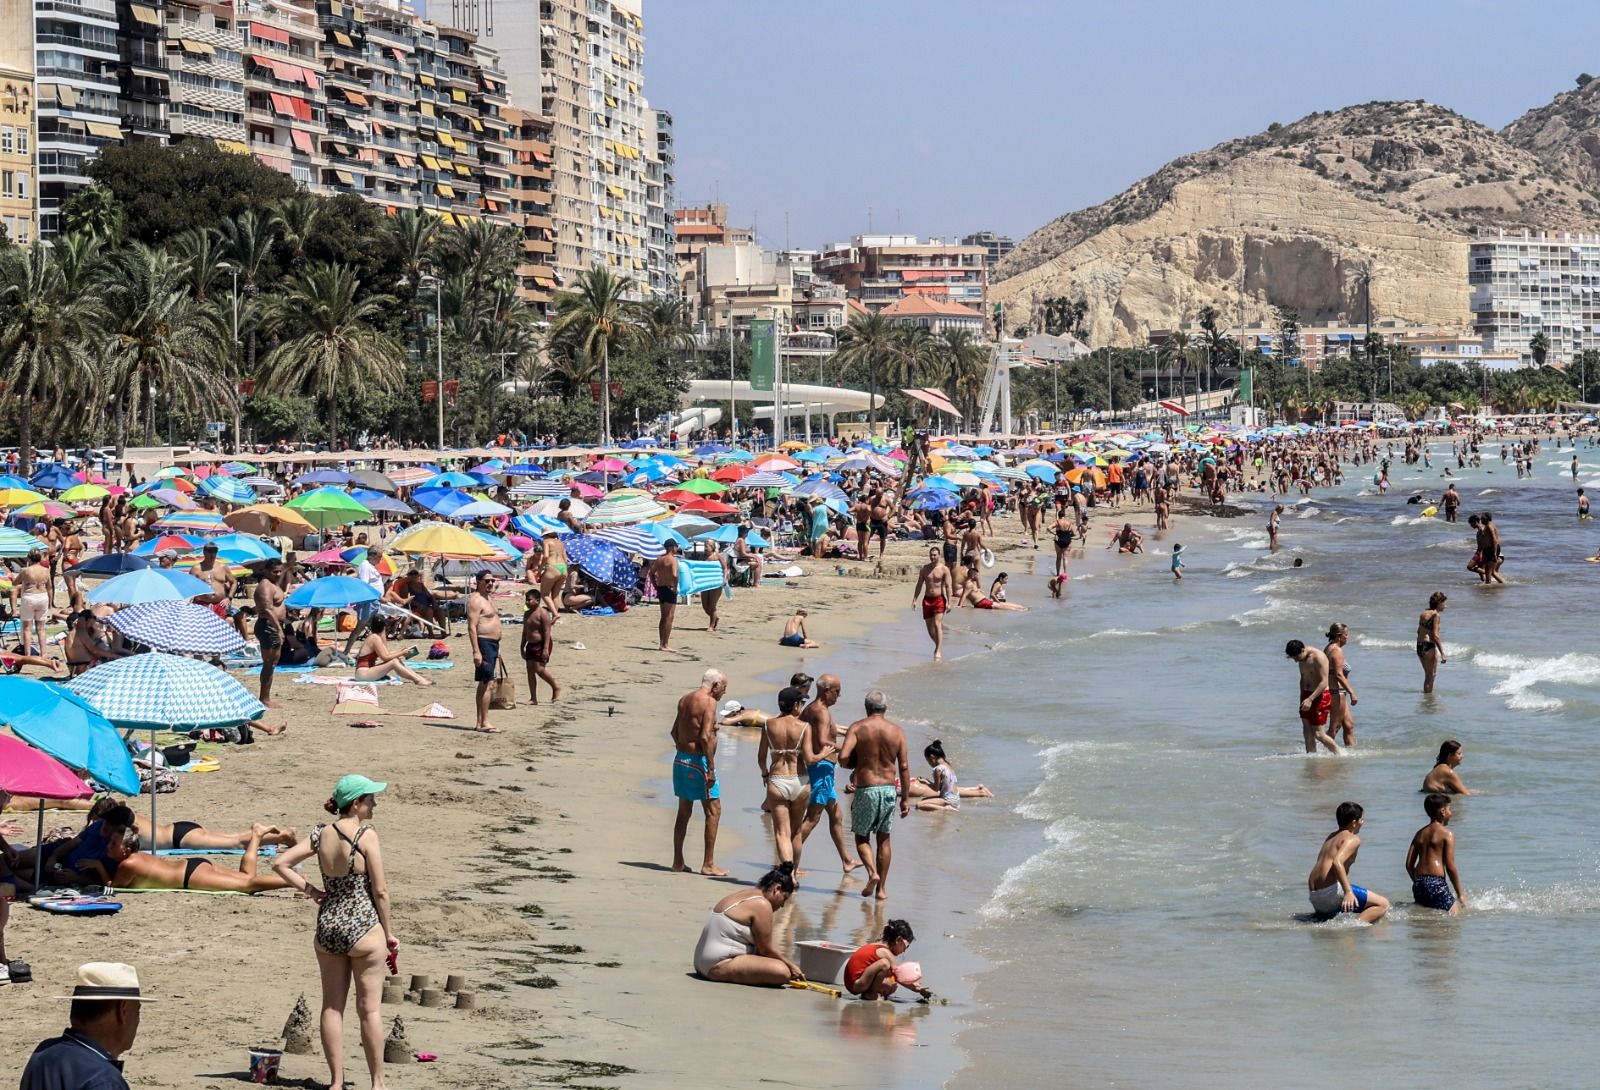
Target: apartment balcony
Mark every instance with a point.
(104, 11)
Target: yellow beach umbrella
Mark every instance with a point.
(267, 518)
(20, 497)
(441, 539)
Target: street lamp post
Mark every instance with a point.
(438, 340)
(234, 270)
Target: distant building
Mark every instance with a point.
(995, 246)
(880, 269)
(78, 96)
(660, 201)
(1049, 348)
(933, 314)
(697, 226)
(530, 197)
(733, 284)
(1531, 283)
(17, 136)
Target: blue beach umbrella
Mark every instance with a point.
(935, 501)
(110, 564)
(1044, 473)
(443, 500)
(539, 525)
(54, 478)
(16, 544)
(707, 450)
(479, 509)
(602, 561)
(637, 540)
(246, 545)
(56, 720)
(11, 480)
(649, 474)
(228, 489)
(330, 592)
(377, 501)
(454, 480)
(149, 585)
(323, 476)
(944, 484)
(523, 469)
(177, 626)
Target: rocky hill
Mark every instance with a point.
(1565, 134)
(1305, 208)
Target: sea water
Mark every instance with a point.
(1139, 885)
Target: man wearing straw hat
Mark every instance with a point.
(104, 1019)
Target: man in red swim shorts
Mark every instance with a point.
(1315, 699)
(935, 587)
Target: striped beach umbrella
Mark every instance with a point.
(552, 508)
(409, 476)
(177, 626)
(228, 490)
(16, 544)
(543, 486)
(632, 539)
(201, 522)
(178, 543)
(624, 507)
(162, 690)
(765, 479)
(539, 525)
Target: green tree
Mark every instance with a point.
(962, 361)
(95, 211)
(295, 220)
(330, 346)
(44, 324)
(866, 344)
(591, 321)
(166, 190)
(1539, 345)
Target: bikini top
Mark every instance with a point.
(776, 752)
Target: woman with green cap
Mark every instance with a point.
(353, 936)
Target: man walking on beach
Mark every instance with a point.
(1432, 858)
(483, 633)
(1341, 717)
(876, 749)
(694, 768)
(1315, 700)
(819, 749)
(664, 574)
(270, 617)
(1331, 889)
(935, 587)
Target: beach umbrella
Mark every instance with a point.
(177, 626)
(479, 509)
(246, 545)
(16, 544)
(54, 478)
(84, 493)
(330, 592)
(228, 490)
(239, 469)
(327, 558)
(1043, 472)
(178, 543)
(735, 456)
(377, 502)
(110, 564)
(166, 497)
(441, 539)
(648, 474)
(11, 480)
(205, 522)
(20, 497)
(489, 468)
(166, 473)
(56, 720)
(633, 539)
(665, 533)
(588, 491)
(765, 479)
(700, 486)
(354, 556)
(677, 495)
(935, 501)
(775, 463)
(688, 525)
(441, 501)
(47, 509)
(812, 457)
(372, 481)
(325, 507)
(539, 525)
(603, 561)
(552, 508)
(943, 483)
(524, 469)
(705, 505)
(706, 450)
(149, 585)
(27, 771)
(732, 474)
(323, 476)
(409, 476)
(623, 507)
(544, 486)
(503, 548)
(455, 480)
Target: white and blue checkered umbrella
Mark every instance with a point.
(543, 486)
(632, 539)
(227, 489)
(177, 626)
(160, 690)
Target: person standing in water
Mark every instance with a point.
(1451, 501)
(1329, 885)
(1583, 506)
(1272, 526)
(1432, 859)
(1315, 700)
(935, 587)
(1341, 717)
(1430, 642)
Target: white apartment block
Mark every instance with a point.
(1530, 283)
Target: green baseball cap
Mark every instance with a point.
(352, 787)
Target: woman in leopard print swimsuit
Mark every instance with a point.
(353, 937)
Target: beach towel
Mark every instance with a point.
(432, 664)
(695, 576)
(306, 668)
(199, 892)
(268, 849)
(355, 694)
(431, 711)
(601, 611)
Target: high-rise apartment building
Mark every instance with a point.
(697, 226)
(995, 246)
(879, 269)
(285, 102)
(142, 77)
(78, 96)
(661, 262)
(205, 65)
(18, 99)
(1528, 284)
(530, 206)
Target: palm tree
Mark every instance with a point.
(201, 251)
(666, 324)
(913, 353)
(1539, 345)
(963, 360)
(96, 211)
(43, 324)
(867, 342)
(1175, 354)
(593, 318)
(330, 342)
(247, 245)
(295, 221)
(508, 339)
(413, 235)
(148, 351)
(485, 255)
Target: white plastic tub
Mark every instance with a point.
(821, 961)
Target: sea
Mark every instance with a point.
(1130, 909)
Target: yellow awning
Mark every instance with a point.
(426, 80)
(238, 147)
(430, 162)
(345, 176)
(145, 14)
(202, 49)
(100, 128)
(448, 218)
(458, 95)
(427, 110)
(444, 190)
(355, 97)
(610, 101)
(336, 8)
(464, 171)
(447, 140)
(605, 213)
(616, 191)
(633, 88)
(477, 126)
(637, 220)
(343, 39)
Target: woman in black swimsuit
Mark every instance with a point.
(1430, 645)
(1064, 535)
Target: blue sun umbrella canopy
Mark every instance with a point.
(1043, 473)
(149, 585)
(727, 535)
(935, 501)
(539, 525)
(54, 478)
(479, 509)
(110, 564)
(228, 489)
(377, 501)
(441, 501)
(177, 626)
(11, 480)
(633, 539)
(56, 720)
(707, 450)
(330, 592)
(456, 480)
(523, 469)
(323, 476)
(602, 561)
(246, 545)
(160, 690)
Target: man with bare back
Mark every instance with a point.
(694, 768)
(876, 749)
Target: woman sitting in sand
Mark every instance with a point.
(942, 792)
(995, 599)
(376, 661)
(735, 944)
(1443, 778)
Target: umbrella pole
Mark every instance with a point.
(38, 850)
(153, 826)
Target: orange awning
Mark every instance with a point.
(936, 398)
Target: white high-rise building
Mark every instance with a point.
(1529, 283)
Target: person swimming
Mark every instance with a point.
(1442, 779)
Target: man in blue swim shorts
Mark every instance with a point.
(1331, 890)
(694, 768)
(876, 749)
(1432, 857)
(819, 749)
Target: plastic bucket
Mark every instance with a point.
(821, 961)
(264, 1064)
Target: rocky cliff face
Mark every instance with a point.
(1293, 217)
(1564, 135)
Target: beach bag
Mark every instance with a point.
(503, 693)
(439, 650)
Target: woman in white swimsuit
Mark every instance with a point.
(778, 757)
(735, 945)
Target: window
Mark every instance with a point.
(22, 185)
(7, 139)
(22, 140)
(8, 184)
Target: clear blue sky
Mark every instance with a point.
(951, 116)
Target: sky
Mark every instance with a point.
(945, 117)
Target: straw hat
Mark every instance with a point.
(108, 980)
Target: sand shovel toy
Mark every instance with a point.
(808, 986)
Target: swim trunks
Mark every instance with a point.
(1329, 900)
(932, 607)
(690, 771)
(534, 653)
(822, 787)
(490, 650)
(872, 809)
(667, 596)
(793, 639)
(1319, 711)
(949, 552)
(1433, 891)
(269, 637)
(985, 603)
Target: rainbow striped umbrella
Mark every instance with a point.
(200, 522)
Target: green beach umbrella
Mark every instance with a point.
(325, 507)
(83, 492)
(701, 486)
